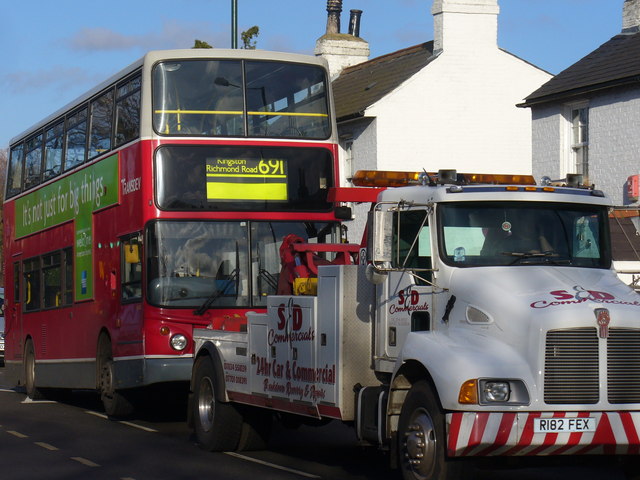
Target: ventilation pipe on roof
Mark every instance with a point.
(334, 9)
(354, 23)
(631, 16)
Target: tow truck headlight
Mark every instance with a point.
(178, 342)
(496, 391)
(493, 392)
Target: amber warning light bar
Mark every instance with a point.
(381, 178)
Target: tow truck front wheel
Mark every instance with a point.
(217, 424)
(422, 439)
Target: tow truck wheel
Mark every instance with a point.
(256, 429)
(421, 437)
(217, 424)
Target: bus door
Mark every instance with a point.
(130, 315)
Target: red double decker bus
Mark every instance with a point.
(156, 203)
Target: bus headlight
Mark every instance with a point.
(178, 342)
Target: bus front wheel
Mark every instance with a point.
(116, 403)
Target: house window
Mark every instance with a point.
(349, 167)
(580, 141)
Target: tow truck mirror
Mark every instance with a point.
(380, 239)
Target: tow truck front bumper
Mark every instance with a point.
(543, 433)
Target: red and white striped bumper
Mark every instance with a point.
(489, 434)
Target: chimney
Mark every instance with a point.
(631, 16)
(334, 9)
(341, 50)
(465, 24)
(354, 23)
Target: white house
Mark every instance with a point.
(450, 103)
(447, 103)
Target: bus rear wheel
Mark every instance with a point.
(33, 392)
(115, 403)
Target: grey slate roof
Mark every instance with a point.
(362, 85)
(625, 241)
(614, 63)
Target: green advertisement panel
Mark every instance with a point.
(75, 197)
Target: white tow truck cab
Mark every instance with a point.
(486, 320)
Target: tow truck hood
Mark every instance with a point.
(542, 297)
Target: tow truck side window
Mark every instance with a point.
(411, 241)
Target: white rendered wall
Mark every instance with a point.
(460, 112)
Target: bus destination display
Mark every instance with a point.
(246, 179)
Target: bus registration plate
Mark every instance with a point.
(564, 425)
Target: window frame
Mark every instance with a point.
(575, 149)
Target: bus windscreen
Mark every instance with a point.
(240, 98)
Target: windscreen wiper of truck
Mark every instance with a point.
(547, 257)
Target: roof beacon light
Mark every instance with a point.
(447, 177)
(574, 180)
(382, 178)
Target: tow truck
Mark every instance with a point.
(480, 317)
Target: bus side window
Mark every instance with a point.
(16, 164)
(52, 280)
(131, 275)
(68, 276)
(127, 126)
(16, 283)
(54, 141)
(100, 128)
(33, 161)
(76, 139)
(32, 284)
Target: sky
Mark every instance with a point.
(52, 52)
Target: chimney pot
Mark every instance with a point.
(334, 9)
(354, 23)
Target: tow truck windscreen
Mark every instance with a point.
(518, 233)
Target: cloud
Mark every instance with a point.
(172, 34)
(58, 78)
(93, 39)
(283, 43)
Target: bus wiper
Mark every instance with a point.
(216, 294)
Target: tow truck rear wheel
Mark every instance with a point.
(256, 429)
(217, 424)
(422, 439)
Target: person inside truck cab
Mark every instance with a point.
(524, 235)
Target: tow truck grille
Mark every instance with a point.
(571, 366)
(623, 358)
